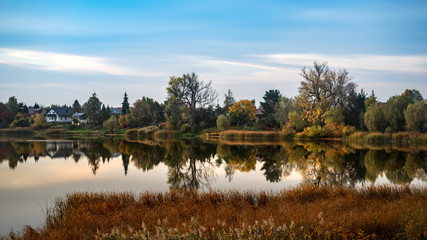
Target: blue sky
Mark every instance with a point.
(53, 52)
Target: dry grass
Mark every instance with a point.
(385, 212)
(253, 136)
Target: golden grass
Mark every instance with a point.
(253, 136)
(308, 212)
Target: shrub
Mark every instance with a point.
(222, 122)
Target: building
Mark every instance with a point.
(59, 115)
(116, 111)
(79, 118)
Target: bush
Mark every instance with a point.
(222, 122)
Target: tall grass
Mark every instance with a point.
(253, 136)
(307, 212)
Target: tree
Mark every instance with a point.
(354, 112)
(374, 118)
(36, 105)
(38, 121)
(104, 114)
(191, 92)
(93, 108)
(222, 122)
(228, 101)
(271, 98)
(413, 94)
(125, 105)
(322, 89)
(12, 105)
(371, 100)
(20, 121)
(174, 112)
(76, 107)
(416, 116)
(242, 113)
(111, 124)
(394, 111)
(281, 111)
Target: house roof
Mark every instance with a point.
(259, 111)
(61, 111)
(116, 110)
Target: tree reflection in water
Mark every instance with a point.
(192, 164)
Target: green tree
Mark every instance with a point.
(174, 112)
(371, 100)
(223, 123)
(12, 105)
(36, 105)
(394, 111)
(76, 107)
(271, 98)
(125, 105)
(242, 113)
(416, 116)
(104, 114)
(93, 109)
(282, 110)
(413, 94)
(354, 112)
(374, 118)
(111, 124)
(192, 93)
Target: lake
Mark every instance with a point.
(35, 172)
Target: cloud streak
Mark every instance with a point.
(65, 62)
(360, 62)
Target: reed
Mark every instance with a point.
(253, 136)
(306, 212)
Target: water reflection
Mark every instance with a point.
(193, 164)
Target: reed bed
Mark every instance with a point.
(254, 136)
(306, 212)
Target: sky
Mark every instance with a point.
(54, 52)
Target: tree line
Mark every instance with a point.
(328, 105)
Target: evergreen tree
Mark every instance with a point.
(76, 106)
(125, 105)
(93, 108)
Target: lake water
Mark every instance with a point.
(34, 173)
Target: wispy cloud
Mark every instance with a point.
(360, 62)
(65, 62)
(250, 65)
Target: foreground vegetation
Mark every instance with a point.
(307, 212)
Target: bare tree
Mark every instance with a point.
(191, 92)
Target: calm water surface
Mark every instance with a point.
(34, 173)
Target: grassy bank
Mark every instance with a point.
(309, 212)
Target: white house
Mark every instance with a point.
(80, 118)
(59, 115)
